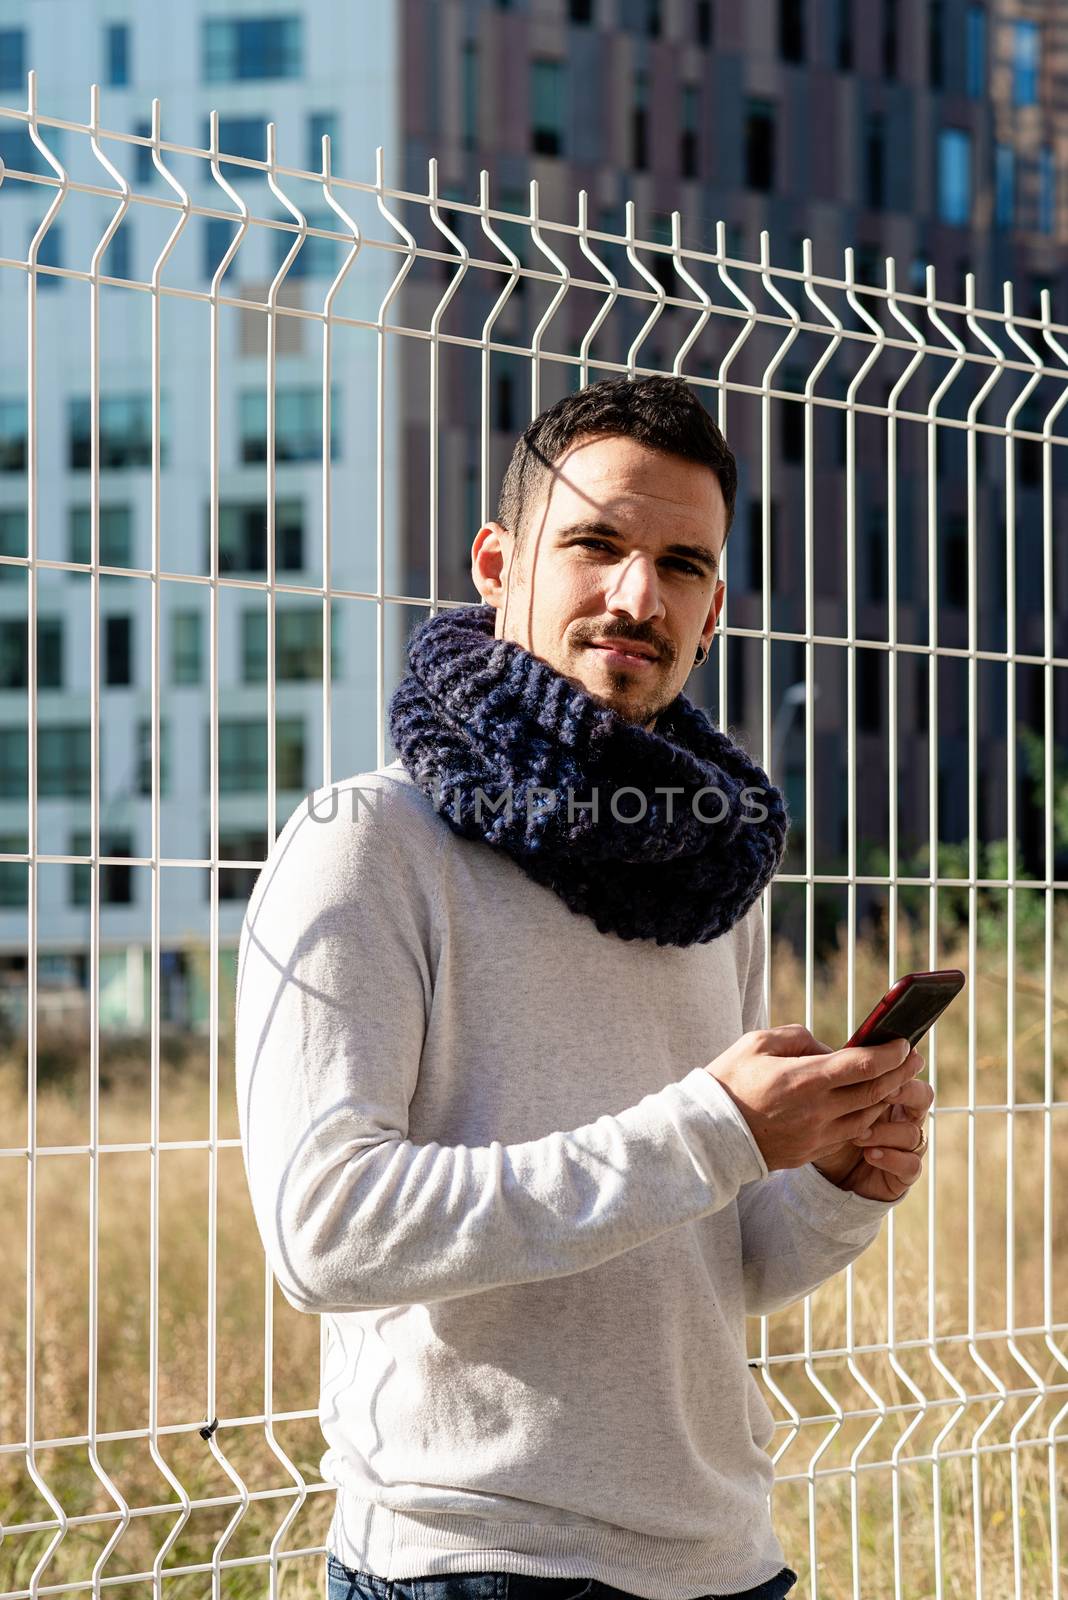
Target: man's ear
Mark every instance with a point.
(714, 610)
(491, 557)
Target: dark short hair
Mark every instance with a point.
(661, 412)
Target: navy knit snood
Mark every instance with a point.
(504, 746)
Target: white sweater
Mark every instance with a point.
(481, 1142)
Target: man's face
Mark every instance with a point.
(575, 584)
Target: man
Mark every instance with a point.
(513, 1119)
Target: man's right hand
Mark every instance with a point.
(799, 1098)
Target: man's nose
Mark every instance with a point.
(636, 589)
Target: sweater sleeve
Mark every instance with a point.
(334, 985)
(798, 1228)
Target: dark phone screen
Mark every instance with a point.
(913, 1012)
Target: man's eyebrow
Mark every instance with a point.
(605, 530)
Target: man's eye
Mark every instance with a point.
(687, 566)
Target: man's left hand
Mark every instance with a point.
(899, 1138)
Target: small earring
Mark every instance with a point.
(701, 657)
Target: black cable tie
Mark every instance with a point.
(206, 1433)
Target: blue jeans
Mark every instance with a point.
(345, 1584)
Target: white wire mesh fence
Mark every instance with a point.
(894, 645)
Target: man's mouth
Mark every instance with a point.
(627, 655)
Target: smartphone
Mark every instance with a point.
(910, 1007)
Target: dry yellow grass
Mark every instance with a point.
(122, 1378)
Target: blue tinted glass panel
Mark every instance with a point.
(954, 176)
(320, 123)
(1046, 190)
(1004, 185)
(240, 136)
(12, 58)
(975, 52)
(251, 47)
(18, 151)
(1025, 63)
(117, 53)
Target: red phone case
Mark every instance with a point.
(910, 1007)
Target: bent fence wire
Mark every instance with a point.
(900, 474)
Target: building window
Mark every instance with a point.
(1038, 282)
(661, 265)
(243, 537)
(760, 144)
(298, 644)
(143, 756)
(792, 30)
(955, 176)
(186, 647)
(920, 691)
(125, 431)
(547, 99)
(116, 880)
(688, 154)
(906, 560)
(12, 58)
(117, 54)
(876, 552)
(13, 632)
(1004, 186)
(298, 424)
(793, 416)
(62, 761)
(240, 136)
(953, 576)
(337, 640)
(1029, 419)
(14, 875)
(49, 254)
(19, 153)
(251, 47)
(1025, 63)
(869, 690)
(116, 544)
(320, 123)
(890, 38)
(469, 117)
(653, 19)
(14, 651)
(1047, 204)
(875, 162)
(243, 754)
(12, 435)
(843, 35)
(14, 763)
(581, 11)
(218, 235)
(703, 22)
(317, 257)
(754, 548)
(237, 883)
(505, 408)
(639, 150)
(975, 52)
(456, 220)
(117, 255)
(14, 536)
(144, 169)
(50, 652)
(736, 695)
(936, 50)
(118, 655)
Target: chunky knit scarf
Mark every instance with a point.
(505, 746)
